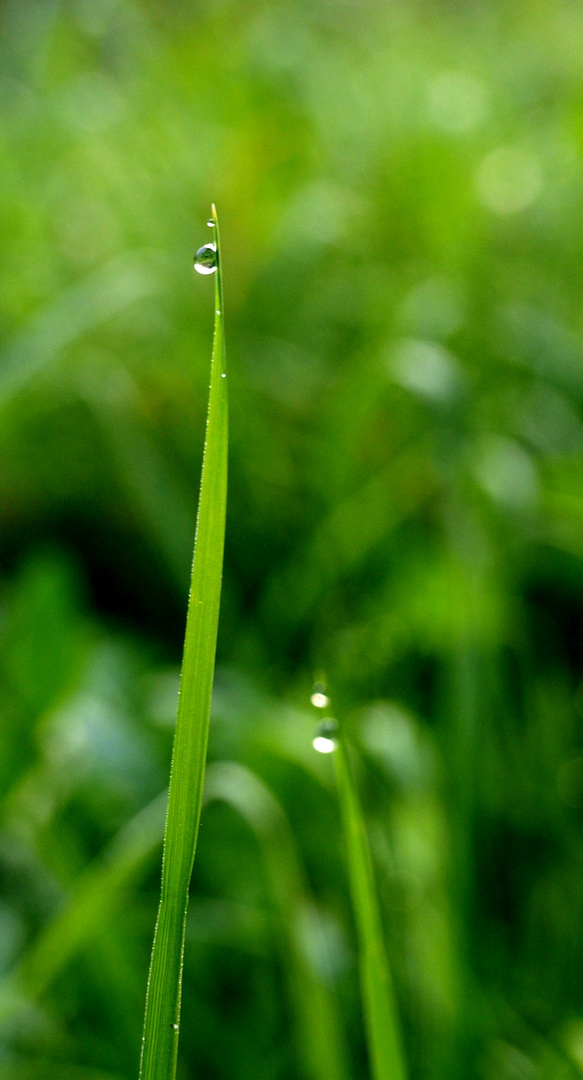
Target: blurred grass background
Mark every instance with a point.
(400, 189)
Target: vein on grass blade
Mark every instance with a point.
(162, 1019)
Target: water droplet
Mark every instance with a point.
(319, 696)
(326, 738)
(223, 375)
(319, 700)
(205, 260)
(210, 223)
(174, 1027)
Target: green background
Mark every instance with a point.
(400, 192)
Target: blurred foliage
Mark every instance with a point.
(401, 192)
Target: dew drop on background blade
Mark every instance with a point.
(319, 696)
(319, 699)
(326, 738)
(205, 260)
(210, 223)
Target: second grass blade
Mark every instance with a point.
(382, 1027)
(161, 1025)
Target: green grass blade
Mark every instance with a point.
(160, 1043)
(93, 898)
(380, 1008)
(320, 1044)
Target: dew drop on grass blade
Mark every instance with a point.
(162, 1019)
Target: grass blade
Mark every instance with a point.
(380, 1008)
(162, 1019)
(93, 898)
(319, 1041)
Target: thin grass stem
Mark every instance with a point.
(382, 1027)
